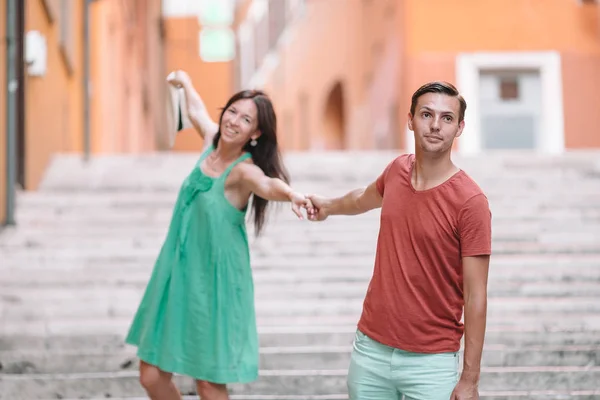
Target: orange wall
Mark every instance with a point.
(155, 74)
(506, 25)
(581, 80)
(2, 113)
(53, 102)
(213, 81)
(335, 42)
(126, 73)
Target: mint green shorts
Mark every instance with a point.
(380, 372)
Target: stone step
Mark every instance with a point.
(107, 304)
(283, 382)
(360, 249)
(168, 188)
(325, 180)
(25, 261)
(285, 290)
(333, 226)
(535, 187)
(34, 321)
(323, 280)
(487, 395)
(290, 357)
(119, 325)
(501, 206)
(501, 261)
(121, 201)
(158, 170)
(290, 336)
(63, 236)
(163, 216)
(314, 238)
(152, 240)
(50, 273)
(325, 245)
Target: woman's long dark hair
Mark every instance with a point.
(265, 154)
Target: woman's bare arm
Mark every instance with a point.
(197, 112)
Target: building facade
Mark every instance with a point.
(90, 73)
(331, 67)
(89, 79)
(528, 69)
(342, 73)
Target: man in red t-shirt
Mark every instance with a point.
(432, 261)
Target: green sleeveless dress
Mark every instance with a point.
(196, 317)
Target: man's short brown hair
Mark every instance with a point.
(439, 87)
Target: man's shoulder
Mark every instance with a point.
(402, 162)
(467, 187)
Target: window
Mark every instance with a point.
(509, 89)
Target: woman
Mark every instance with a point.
(196, 317)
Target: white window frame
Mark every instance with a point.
(468, 69)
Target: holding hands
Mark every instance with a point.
(300, 201)
(315, 206)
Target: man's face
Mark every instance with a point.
(435, 122)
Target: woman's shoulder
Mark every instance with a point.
(246, 168)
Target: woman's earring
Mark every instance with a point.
(253, 142)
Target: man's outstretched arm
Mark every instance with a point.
(355, 202)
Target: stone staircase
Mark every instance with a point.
(73, 271)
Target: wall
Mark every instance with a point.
(333, 43)
(127, 72)
(126, 76)
(432, 44)
(53, 102)
(3, 113)
(581, 80)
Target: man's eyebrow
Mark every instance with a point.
(441, 112)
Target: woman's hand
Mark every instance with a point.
(178, 78)
(300, 201)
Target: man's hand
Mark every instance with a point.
(319, 210)
(466, 388)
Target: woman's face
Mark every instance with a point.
(239, 124)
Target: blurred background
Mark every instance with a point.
(88, 178)
(88, 76)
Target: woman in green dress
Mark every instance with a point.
(196, 317)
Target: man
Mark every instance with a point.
(432, 260)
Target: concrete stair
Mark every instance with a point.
(73, 271)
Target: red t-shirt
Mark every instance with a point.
(415, 298)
